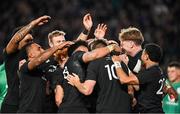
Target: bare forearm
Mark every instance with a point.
(43, 57)
(95, 54)
(59, 94)
(14, 42)
(82, 88)
(82, 36)
(22, 33)
(125, 79)
(122, 76)
(101, 52)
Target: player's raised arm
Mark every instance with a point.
(123, 77)
(100, 52)
(100, 31)
(88, 23)
(12, 46)
(45, 55)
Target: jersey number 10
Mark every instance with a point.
(111, 72)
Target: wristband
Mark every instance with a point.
(85, 31)
(110, 47)
(117, 64)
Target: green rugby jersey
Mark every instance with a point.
(3, 83)
(170, 106)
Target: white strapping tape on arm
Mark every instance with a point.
(137, 68)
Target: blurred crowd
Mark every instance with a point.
(157, 19)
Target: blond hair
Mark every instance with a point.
(55, 33)
(133, 34)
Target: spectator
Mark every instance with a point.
(169, 104)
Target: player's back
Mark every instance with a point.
(112, 96)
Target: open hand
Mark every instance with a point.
(87, 22)
(73, 79)
(40, 21)
(100, 31)
(65, 44)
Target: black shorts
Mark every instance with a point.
(50, 105)
(73, 110)
(6, 108)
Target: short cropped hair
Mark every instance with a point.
(55, 33)
(28, 46)
(97, 43)
(154, 51)
(133, 34)
(174, 64)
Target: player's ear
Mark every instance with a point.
(131, 44)
(30, 55)
(146, 56)
(50, 43)
(178, 71)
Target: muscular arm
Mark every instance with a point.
(123, 77)
(87, 22)
(85, 88)
(83, 36)
(19, 35)
(45, 55)
(59, 94)
(97, 53)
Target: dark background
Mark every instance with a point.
(157, 19)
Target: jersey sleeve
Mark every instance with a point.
(92, 71)
(5, 55)
(79, 56)
(24, 67)
(56, 78)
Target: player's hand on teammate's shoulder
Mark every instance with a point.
(73, 79)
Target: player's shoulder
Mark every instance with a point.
(78, 53)
(104, 59)
(155, 69)
(96, 63)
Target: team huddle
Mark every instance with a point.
(86, 75)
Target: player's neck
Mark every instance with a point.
(151, 64)
(177, 81)
(62, 62)
(135, 50)
(30, 58)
